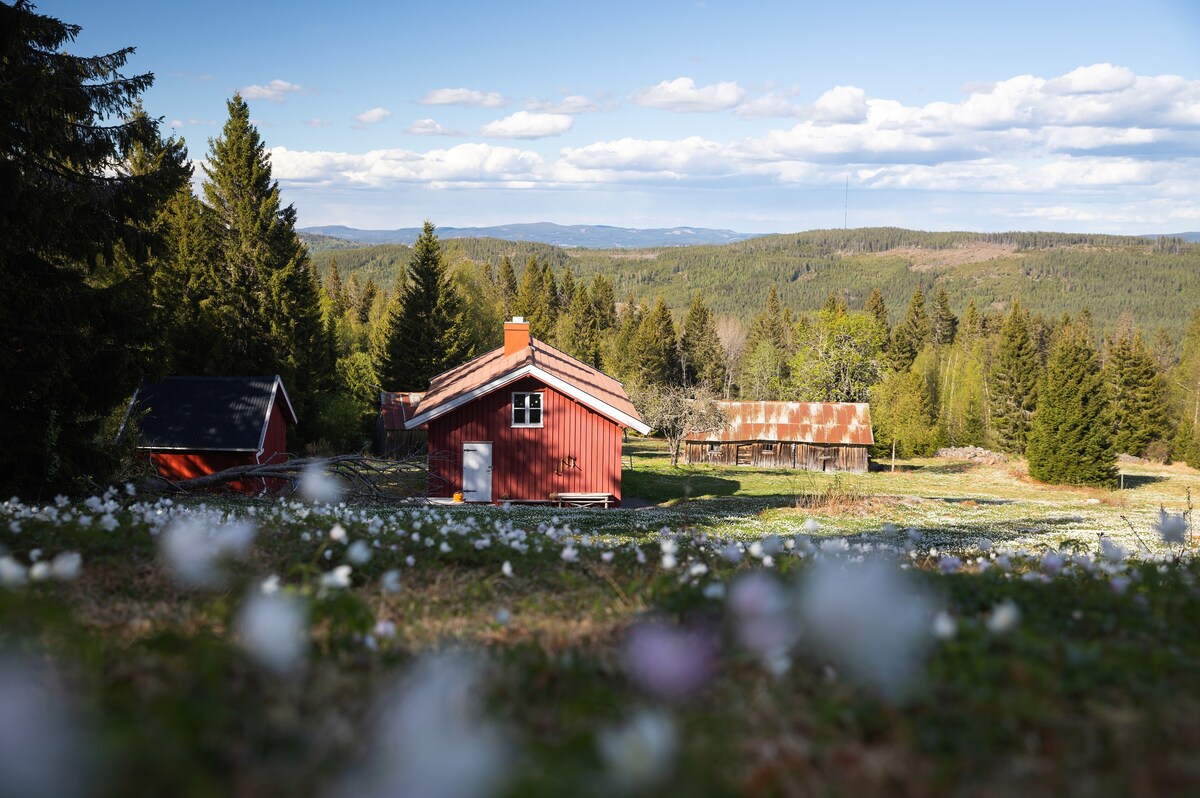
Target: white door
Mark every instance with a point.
(477, 472)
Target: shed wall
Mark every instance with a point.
(577, 450)
(769, 454)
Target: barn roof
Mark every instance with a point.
(492, 371)
(228, 414)
(397, 407)
(845, 423)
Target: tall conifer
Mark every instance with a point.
(1013, 382)
(943, 323)
(1138, 394)
(424, 332)
(701, 353)
(1070, 440)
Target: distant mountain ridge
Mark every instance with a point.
(586, 236)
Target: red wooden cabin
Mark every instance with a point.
(526, 422)
(192, 426)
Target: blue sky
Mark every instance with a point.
(750, 116)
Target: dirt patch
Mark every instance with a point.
(923, 260)
(972, 454)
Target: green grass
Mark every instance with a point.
(1096, 691)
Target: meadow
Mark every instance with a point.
(944, 628)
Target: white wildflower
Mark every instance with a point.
(12, 573)
(390, 581)
(358, 552)
(1112, 551)
(506, 569)
(944, 626)
(811, 526)
(641, 752)
(985, 545)
(337, 578)
(319, 486)
(668, 661)
(607, 556)
(39, 571)
(570, 553)
(273, 630)
(42, 749)
(1172, 528)
(949, 564)
(269, 586)
(762, 614)
(338, 533)
(1003, 618)
(384, 629)
(108, 523)
(870, 619)
(1052, 562)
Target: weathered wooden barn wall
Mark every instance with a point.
(577, 450)
(767, 454)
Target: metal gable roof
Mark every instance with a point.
(844, 423)
(208, 413)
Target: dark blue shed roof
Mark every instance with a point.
(208, 413)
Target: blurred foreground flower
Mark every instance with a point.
(193, 547)
(668, 661)
(1172, 528)
(319, 486)
(869, 619)
(42, 751)
(431, 739)
(273, 630)
(639, 753)
(1003, 618)
(761, 615)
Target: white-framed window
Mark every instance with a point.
(527, 409)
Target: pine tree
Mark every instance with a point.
(578, 330)
(768, 349)
(1138, 393)
(338, 304)
(1185, 396)
(701, 354)
(1013, 382)
(834, 304)
(944, 323)
(566, 289)
(424, 331)
(533, 301)
(911, 335)
(267, 302)
(1070, 440)
(656, 348)
(604, 303)
(76, 321)
(550, 289)
(971, 327)
(876, 309)
(367, 296)
(508, 286)
(619, 357)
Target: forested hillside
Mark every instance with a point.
(1157, 283)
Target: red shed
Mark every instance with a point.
(526, 422)
(192, 426)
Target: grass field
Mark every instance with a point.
(941, 629)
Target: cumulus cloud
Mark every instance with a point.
(1086, 142)
(430, 127)
(460, 96)
(841, 104)
(276, 91)
(682, 94)
(373, 116)
(526, 125)
(573, 104)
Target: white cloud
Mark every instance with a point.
(1093, 79)
(465, 164)
(682, 94)
(573, 104)
(693, 156)
(841, 104)
(276, 91)
(526, 125)
(471, 97)
(319, 122)
(771, 105)
(373, 116)
(430, 127)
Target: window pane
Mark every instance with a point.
(535, 400)
(535, 416)
(518, 415)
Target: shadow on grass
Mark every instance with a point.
(657, 487)
(1131, 481)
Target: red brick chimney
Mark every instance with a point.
(516, 335)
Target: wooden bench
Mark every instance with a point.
(584, 499)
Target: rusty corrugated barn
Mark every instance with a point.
(815, 436)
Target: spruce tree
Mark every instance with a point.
(76, 322)
(944, 323)
(971, 327)
(701, 354)
(911, 335)
(1185, 396)
(656, 348)
(508, 286)
(1070, 440)
(1013, 382)
(604, 303)
(877, 310)
(338, 304)
(267, 303)
(619, 356)
(533, 301)
(1138, 394)
(424, 332)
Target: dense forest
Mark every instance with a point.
(1062, 347)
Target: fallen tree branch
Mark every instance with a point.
(363, 477)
